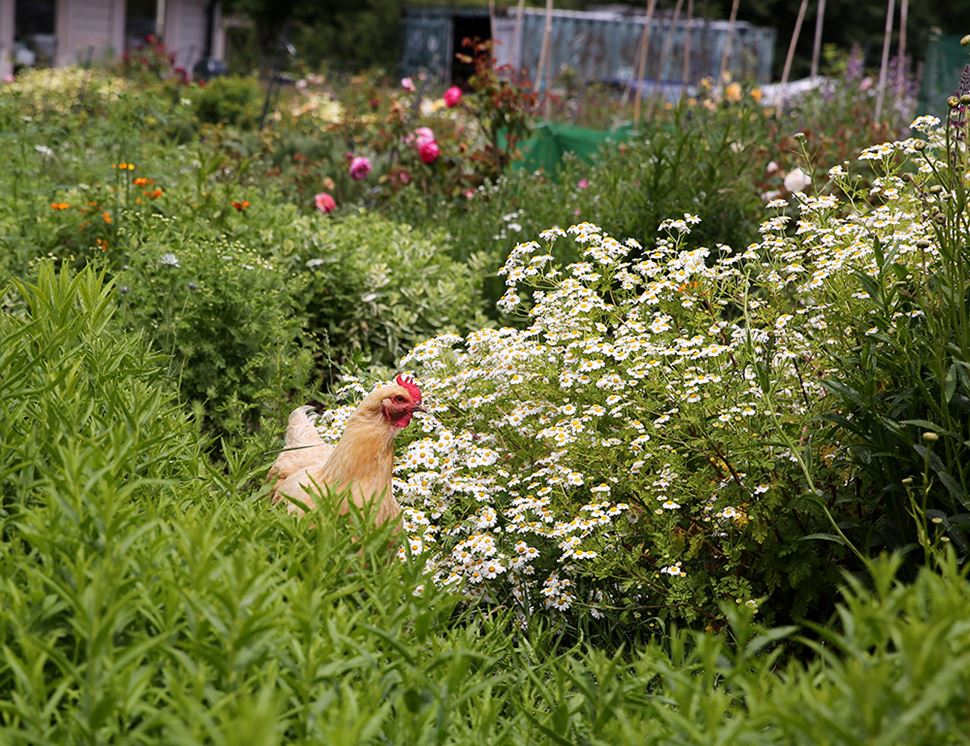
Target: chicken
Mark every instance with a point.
(361, 463)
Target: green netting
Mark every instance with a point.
(945, 59)
(548, 143)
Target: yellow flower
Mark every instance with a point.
(733, 92)
(756, 94)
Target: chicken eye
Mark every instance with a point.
(399, 398)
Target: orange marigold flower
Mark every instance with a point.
(106, 217)
(124, 166)
(241, 205)
(142, 181)
(155, 193)
(102, 244)
(59, 205)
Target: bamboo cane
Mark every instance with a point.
(517, 37)
(491, 24)
(901, 65)
(884, 64)
(726, 53)
(817, 45)
(665, 52)
(543, 73)
(642, 62)
(780, 100)
(688, 37)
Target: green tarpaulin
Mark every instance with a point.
(945, 59)
(548, 143)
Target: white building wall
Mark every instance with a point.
(96, 28)
(185, 27)
(6, 37)
(84, 28)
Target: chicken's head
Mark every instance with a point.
(399, 401)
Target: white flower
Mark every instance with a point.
(169, 260)
(797, 181)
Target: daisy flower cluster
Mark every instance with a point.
(641, 442)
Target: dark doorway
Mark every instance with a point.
(141, 20)
(471, 28)
(34, 33)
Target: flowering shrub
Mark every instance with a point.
(624, 454)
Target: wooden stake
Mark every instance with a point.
(817, 46)
(642, 62)
(543, 73)
(688, 37)
(901, 65)
(665, 51)
(789, 57)
(491, 24)
(726, 53)
(884, 65)
(517, 37)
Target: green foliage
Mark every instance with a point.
(903, 386)
(152, 597)
(228, 100)
(227, 317)
(703, 162)
(374, 288)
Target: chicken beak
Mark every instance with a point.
(419, 408)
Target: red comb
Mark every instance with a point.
(408, 383)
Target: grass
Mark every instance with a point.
(153, 597)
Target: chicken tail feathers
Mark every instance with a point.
(303, 447)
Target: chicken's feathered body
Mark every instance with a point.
(361, 463)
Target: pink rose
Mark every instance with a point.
(452, 96)
(359, 167)
(325, 203)
(429, 151)
(408, 85)
(582, 184)
(423, 135)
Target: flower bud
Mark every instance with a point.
(908, 481)
(953, 102)
(930, 437)
(965, 41)
(965, 98)
(919, 145)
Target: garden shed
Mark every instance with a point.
(54, 33)
(596, 46)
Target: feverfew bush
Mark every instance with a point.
(628, 452)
